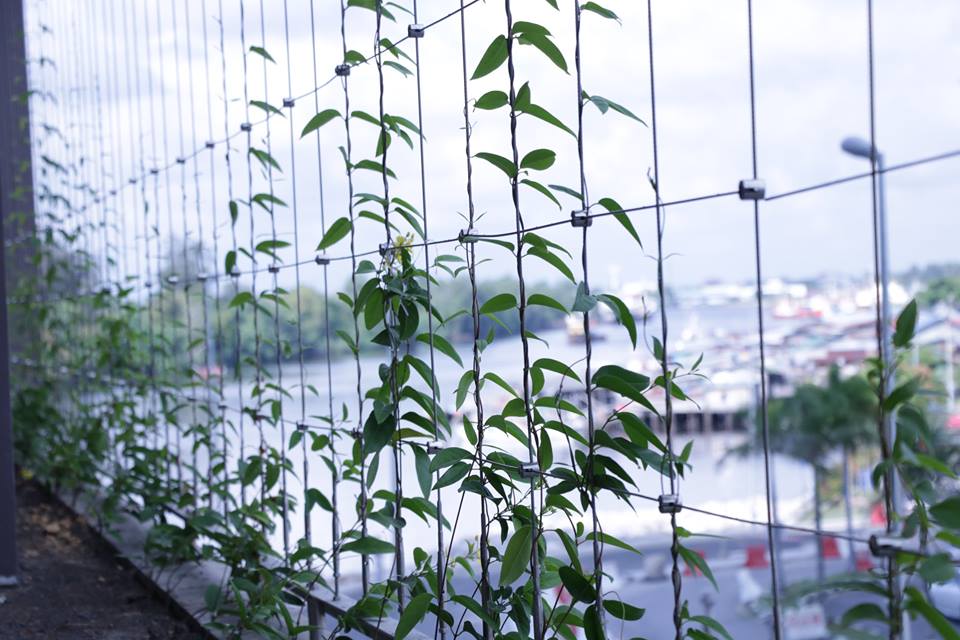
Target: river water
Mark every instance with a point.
(735, 486)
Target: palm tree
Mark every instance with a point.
(816, 421)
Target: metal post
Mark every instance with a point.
(8, 499)
(16, 220)
(949, 382)
(897, 494)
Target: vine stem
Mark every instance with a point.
(522, 310)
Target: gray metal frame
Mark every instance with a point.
(16, 217)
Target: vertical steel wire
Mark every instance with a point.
(764, 404)
(133, 279)
(185, 267)
(884, 424)
(238, 365)
(169, 341)
(475, 347)
(218, 311)
(158, 363)
(441, 560)
(305, 481)
(390, 319)
(104, 262)
(587, 339)
(522, 310)
(140, 146)
(119, 224)
(335, 470)
(258, 388)
(84, 94)
(277, 416)
(74, 184)
(206, 433)
(364, 558)
(665, 371)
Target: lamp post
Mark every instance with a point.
(864, 149)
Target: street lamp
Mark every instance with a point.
(864, 149)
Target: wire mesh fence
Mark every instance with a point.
(257, 315)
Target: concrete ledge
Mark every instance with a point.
(183, 585)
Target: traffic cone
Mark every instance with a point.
(828, 546)
(756, 557)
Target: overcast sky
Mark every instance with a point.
(812, 90)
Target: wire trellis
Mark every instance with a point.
(122, 180)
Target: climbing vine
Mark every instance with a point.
(114, 398)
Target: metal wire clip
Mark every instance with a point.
(752, 189)
(669, 503)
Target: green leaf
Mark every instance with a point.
(241, 299)
(367, 546)
(414, 612)
(422, 464)
(918, 603)
(376, 167)
(475, 608)
(604, 104)
(545, 301)
(516, 557)
(269, 246)
(492, 100)
(493, 57)
(499, 162)
(230, 262)
(906, 325)
(265, 159)
(538, 159)
(314, 496)
(542, 189)
(600, 11)
(399, 67)
(319, 120)
(552, 259)
(455, 473)
(638, 431)
(696, 563)
(612, 205)
(947, 512)
(336, 232)
(592, 627)
(545, 45)
(498, 303)
(901, 394)
(583, 301)
(440, 344)
(863, 611)
(622, 313)
(464, 386)
(935, 465)
(622, 610)
(447, 457)
(576, 585)
(608, 539)
(212, 598)
(542, 114)
(557, 367)
(266, 106)
(264, 199)
(937, 568)
(260, 51)
(500, 382)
